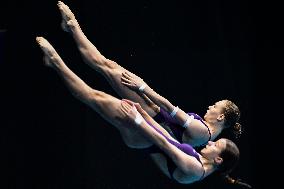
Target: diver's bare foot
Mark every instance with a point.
(68, 19)
(51, 58)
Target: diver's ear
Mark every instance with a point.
(218, 160)
(221, 117)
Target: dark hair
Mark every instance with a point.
(232, 116)
(230, 156)
(230, 180)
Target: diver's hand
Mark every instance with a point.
(131, 113)
(132, 81)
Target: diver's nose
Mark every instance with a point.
(210, 143)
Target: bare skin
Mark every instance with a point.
(108, 68)
(121, 80)
(118, 113)
(109, 107)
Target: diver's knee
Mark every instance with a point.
(110, 64)
(97, 96)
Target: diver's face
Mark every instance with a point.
(213, 149)
(215, 111)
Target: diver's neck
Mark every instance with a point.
(208, 166)
(215, 130)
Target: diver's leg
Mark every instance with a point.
(106, 105)
(108, 68)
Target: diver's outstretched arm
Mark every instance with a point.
(149, 119)
(137, 84)
(186, 163)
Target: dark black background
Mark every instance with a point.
(193, 53)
